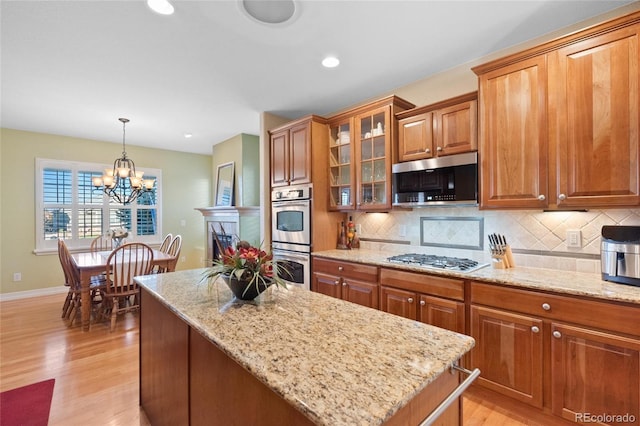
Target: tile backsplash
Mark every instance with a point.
(537, 238)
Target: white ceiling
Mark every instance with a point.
(74, 67)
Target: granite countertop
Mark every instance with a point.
(567, 282)
(337, 362)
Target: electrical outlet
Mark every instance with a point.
(17, 276)
(183, 259)
(574, 238)
(359, 228)
(183, 223)
(402, 231)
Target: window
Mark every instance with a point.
(69, 207)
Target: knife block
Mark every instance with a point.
(503, 260)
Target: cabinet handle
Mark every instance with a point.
(340, 268)
(439, 148)
(562, 197)
(541, 197)
(427, 150)
(344, 283)
(535, 329)
(337, 282)
(422, 303)
(557, 334)
(546, 306)
(410, 300)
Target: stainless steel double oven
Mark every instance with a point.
(291, 233)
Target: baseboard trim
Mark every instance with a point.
(15, 295)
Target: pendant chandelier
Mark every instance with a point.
(123, 183)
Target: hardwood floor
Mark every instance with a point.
(97, 372)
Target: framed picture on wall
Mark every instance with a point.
(224, 185)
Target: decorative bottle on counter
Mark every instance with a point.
(351, 231)
(342, 237)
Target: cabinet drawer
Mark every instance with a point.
(450, 288)
(604, 315)
(352, 270)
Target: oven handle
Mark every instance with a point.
(290, 204)
(287, 256)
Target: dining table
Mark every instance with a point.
(89, 264)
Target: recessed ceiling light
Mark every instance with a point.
(188, 135)
(269, 11)
(330, 62)
(162, 7)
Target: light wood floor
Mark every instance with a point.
(97, 372)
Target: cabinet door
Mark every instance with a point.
(594, 372)
(508, 352)
(373, 154)
(415, 137)
(456, 129)
(442, 313)
(300, 154)
(594, 112)
(327, 284)
(280, 158)
(360, 292)
(398, 302)
(341, 167)
(513, 136)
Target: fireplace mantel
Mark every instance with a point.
(242, 223)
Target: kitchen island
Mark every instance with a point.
(294, 357)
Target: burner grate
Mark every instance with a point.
(437, 262)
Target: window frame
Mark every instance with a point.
(44, 246)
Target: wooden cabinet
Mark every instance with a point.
(593, 372)
(569, 355)
(448, 127)
(559, 123)
(291, 150)
(594, 124)
(508, 352)
(433, 300)
(354, 282)
(363, 145)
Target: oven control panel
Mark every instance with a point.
(291, 193)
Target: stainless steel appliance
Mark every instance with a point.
(430, 261)
(291, 233)
(452, 179)
(620, 254)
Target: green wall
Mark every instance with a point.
(244, 151)
(186, 185)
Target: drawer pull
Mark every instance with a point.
(422, 303)
(546, 306)
(557, 334)
(344, 283)
(410, 300)
(337, 282)
(535, 329)
(340, 268)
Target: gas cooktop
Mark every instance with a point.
(431, 261)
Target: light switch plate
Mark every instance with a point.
(574, 238)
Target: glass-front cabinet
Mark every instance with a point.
(341, 169)
(361, 155)
(373, 160)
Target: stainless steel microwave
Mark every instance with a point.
(452, 179)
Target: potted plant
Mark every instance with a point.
(247, 270)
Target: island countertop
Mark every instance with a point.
(566, 282)
(337, 362)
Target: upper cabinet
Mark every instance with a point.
(559, 123)
(291, 150)
(448, 127)
(361, 150)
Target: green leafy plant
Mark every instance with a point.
(249, 264)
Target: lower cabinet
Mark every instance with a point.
(419, 297)
(573, 357)
(594, 373)
(354, 282)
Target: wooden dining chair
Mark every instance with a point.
(174, 251)
(121, 291)
(101, 243)
(72, 304)
(166, 242)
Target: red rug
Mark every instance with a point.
(28, 405)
